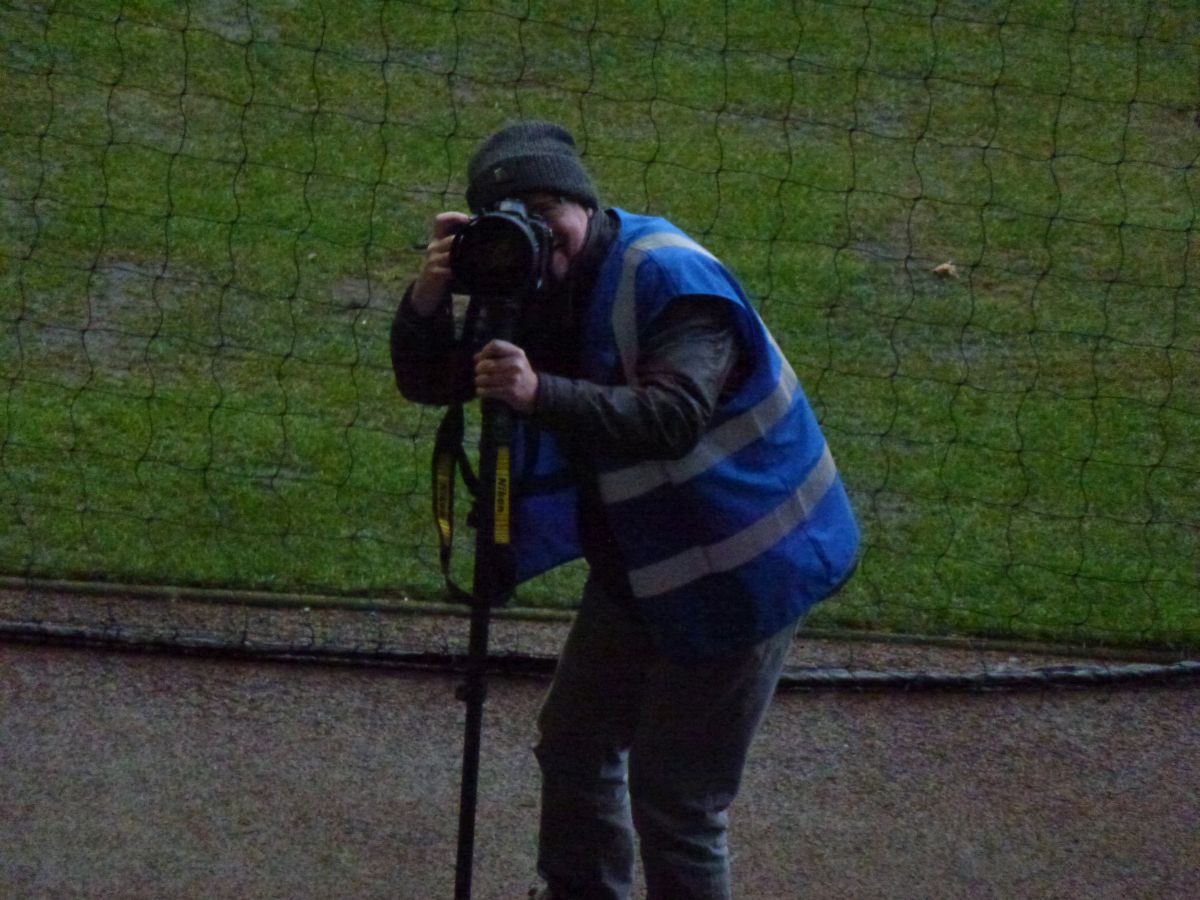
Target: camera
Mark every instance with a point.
(503, 252)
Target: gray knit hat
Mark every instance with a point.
(527, 157)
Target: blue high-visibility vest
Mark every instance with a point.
(744, 533)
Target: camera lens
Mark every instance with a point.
(495, 255)
(502, 252)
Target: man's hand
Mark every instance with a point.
(432, 286)
(502, 372)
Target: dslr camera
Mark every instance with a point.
(504, 252)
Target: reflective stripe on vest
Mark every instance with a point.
(624, 312)
(723, 441)
(738, 549)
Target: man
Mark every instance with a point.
(664, 438)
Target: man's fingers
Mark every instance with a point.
(494, 373)
(497, 349)
(502, 372)
(447, 224)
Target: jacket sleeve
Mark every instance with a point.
(430, 363)
(684, 363)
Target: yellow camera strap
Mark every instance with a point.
(449, 458)
(492, 507)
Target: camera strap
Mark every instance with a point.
(492, 499)
(449, 458)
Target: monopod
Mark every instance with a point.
(492, 585)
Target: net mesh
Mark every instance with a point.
(971, 225)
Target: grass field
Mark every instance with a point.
(206, 211)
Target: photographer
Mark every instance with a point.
(663, 437)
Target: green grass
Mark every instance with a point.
(206, 210)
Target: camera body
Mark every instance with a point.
(502, 252)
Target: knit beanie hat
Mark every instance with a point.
(527, 157)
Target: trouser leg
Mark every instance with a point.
(585, 845)
(619, 722)
(689, 750)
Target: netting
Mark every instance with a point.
(971, 225)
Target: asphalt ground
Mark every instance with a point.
(159, 775)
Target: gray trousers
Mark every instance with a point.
(630, 740)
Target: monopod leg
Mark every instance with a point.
(473, 692)
(493, 581)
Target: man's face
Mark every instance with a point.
(568, 223)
